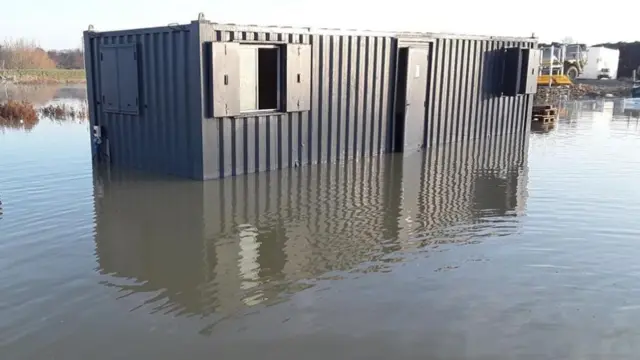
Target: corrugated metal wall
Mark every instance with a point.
(352, 93)
(351, 107)
(166, 135)
(462, 103)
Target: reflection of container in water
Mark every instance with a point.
(248, 262)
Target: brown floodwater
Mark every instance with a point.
(452, 253)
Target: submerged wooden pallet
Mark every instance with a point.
(541, 128)
(549, 112)
(546, 110)
(544, 118)
(544, 114)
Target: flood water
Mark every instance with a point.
(454, 253)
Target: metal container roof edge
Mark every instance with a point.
(431, 35)
(314, 30)
(147, 30)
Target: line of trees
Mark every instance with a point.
(67, 59)
(24, 54)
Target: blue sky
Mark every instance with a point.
(55, 24)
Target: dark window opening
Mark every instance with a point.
(401, 100)
(260, 78)
(268, 71)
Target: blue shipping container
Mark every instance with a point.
(207, 101)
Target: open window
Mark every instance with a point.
(260, 78)
(252, 78)
(520, 71)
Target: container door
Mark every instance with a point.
(416, 96)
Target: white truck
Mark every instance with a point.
(602, 63)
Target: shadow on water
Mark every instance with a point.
(218, 247)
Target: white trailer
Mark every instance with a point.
(601, 63)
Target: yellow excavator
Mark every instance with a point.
(561, 63)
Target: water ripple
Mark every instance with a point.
(447, 246)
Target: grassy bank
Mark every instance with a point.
(43, 76)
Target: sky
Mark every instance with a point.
(59, 25)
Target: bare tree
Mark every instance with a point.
(24, 54)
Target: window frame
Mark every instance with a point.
(281, 73)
